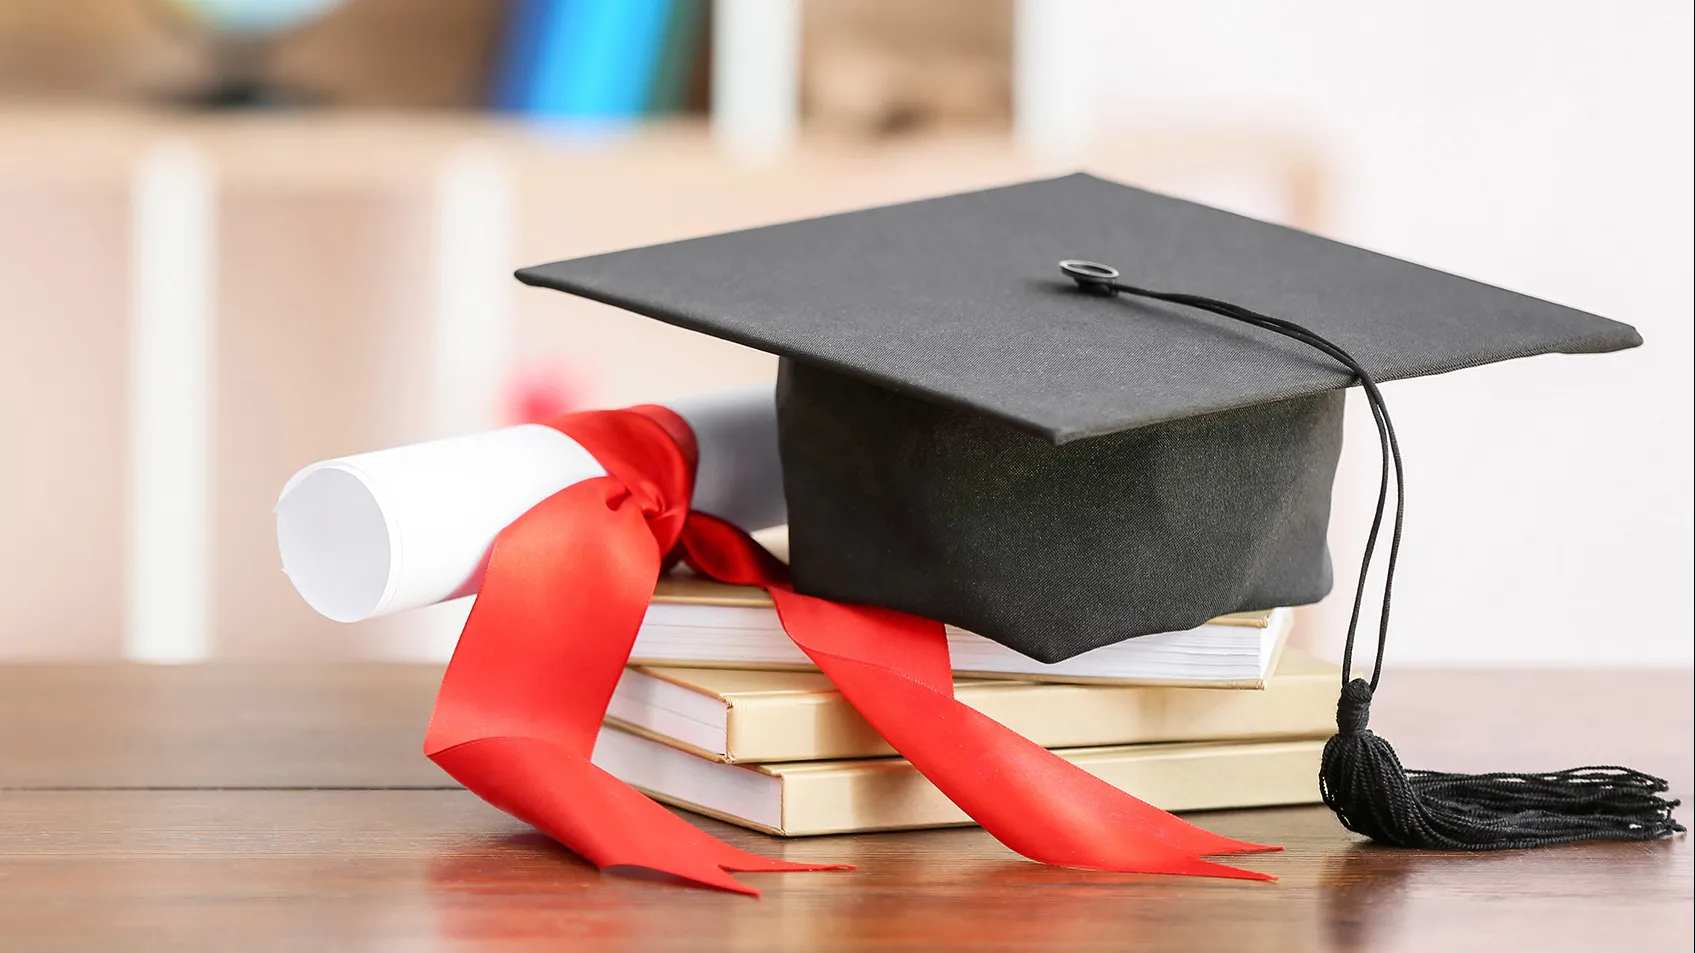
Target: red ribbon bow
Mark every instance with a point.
(565, 590)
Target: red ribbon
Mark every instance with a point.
(565, 590)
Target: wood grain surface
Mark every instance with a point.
(286, 807)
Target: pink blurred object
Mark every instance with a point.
(540, 393)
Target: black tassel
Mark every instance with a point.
(1362, 780)
(1360, 777)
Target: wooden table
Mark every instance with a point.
(287, 807)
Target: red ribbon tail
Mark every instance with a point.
(894, 669)
(596, 815)
(524, 696)
(1031, 799)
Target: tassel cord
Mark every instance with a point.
(1361, 777)
(1389, 444)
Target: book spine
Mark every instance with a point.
(794, 727)
(891, 795)
(677, 57)
(597, 59)
(777, 728)
(527, 25)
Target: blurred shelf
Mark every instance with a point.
(396, 149)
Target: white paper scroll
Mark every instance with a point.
(375, 533)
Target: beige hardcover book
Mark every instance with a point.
(884, 794)
(761, 716)
(699, 623)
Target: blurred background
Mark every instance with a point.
(238, 236)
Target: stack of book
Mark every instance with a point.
(721, 714)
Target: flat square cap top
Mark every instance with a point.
(960, 299)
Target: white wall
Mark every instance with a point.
(1543, 146)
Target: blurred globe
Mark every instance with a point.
(240, 36)
(250, 17)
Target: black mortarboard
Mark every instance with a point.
(941, 374)
(971, 435)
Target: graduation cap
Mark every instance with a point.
(1069, 412)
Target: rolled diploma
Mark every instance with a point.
(375, 533)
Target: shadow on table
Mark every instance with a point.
(942, 889)
(1364, 891)
(958, 887)
(1373, 897)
